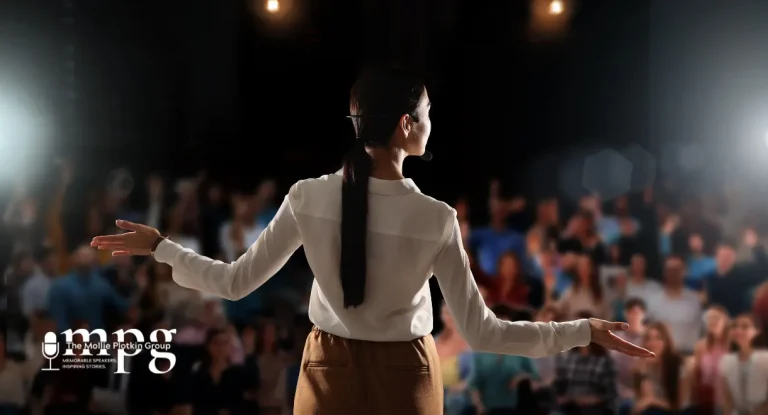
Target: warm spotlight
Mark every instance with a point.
(556, 7)
(273, 6)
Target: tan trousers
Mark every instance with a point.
(343, 376)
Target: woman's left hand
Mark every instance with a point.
(139, 239)
(602, 334)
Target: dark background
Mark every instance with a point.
(221, 85)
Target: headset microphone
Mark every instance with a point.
(427, 156)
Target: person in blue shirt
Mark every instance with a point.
(556, 272)
(491, 242)
(494, 378)
(83, 295)
(610, 226)
(698, 264)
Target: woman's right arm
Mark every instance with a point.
(480, 327)
(235, 280)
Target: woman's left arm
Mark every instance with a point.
(259, 263)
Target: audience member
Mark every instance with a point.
(707, 355)
(660, 385)
(455, 362)
(491, 242)
(582, 234)
(510, 286)
(586, 293)
(677, 306)
(585, 380)
(634, 312)
(543, 392)
(638, 285)
(272, 360)
(494, 379)
(744, 371)
(732, 285)
(83, 294)
(69, 392)
(15, 381)
(214, 384)
(34, 292)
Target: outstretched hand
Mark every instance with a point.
(602, 334)
(137, 241)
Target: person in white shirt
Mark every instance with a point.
(744, 371)
(34, 292)
(678, 307)
(241, 232)
(373, 240)
(638, 285)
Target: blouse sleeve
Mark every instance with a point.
(479, 326)
(235, 280)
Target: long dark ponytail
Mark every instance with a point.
(377, 101)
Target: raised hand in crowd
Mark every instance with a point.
(671, 224)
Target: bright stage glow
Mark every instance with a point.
(273, 6)
(23, 132)
(18, 119)
(556, 7)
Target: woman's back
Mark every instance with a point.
(406, 230)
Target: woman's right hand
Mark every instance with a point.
(139, 240)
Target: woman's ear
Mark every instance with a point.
(406, 123)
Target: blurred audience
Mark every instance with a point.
(673, 266)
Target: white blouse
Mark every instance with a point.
(410, 237)
(747, 381)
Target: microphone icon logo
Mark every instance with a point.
(50, 350)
